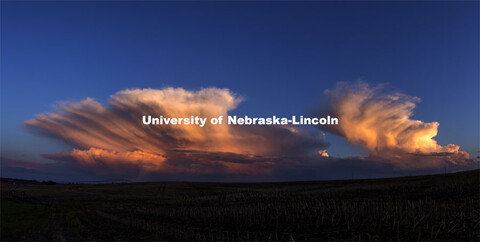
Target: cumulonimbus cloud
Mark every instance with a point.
(113, 137)
(381, 123)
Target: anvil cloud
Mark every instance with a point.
(381, 123)
(113, 138)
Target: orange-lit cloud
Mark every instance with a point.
(113, 137)
(381, 123)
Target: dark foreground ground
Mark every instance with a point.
(438, 207)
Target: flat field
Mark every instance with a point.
(434, 207)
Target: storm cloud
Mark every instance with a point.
(113, 138)
(381, 123)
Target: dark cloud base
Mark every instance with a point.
(327, 169)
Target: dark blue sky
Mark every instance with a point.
(279, 55)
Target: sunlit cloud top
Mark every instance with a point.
(381, 123)
(113, 136)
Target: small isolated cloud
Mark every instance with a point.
(113, 139)
(381, 123)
